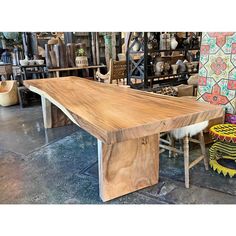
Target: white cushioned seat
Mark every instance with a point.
(190, 130)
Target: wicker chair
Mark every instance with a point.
(117, 72)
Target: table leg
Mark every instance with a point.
(52, 115)
(47, 112)
(128, 166)
(57, 74)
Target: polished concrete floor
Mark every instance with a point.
(59, 165)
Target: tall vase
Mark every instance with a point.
(173, 43)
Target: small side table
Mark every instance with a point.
(38, 70)
(223, 151)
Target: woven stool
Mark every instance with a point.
(223, 151)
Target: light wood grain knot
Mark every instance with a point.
(144, 140)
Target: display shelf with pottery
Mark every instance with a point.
(170, 50)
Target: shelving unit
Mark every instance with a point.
(140, 63)
(86, 38)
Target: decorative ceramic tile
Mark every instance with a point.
(217, 70)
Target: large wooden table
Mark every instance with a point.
(126, 122)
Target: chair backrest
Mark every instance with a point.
(117, 70)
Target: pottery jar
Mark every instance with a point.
(165, 41)
(195, 65)
(182, 66)
(175, 68)
(189, 66)
(137, 46)
(159, 68)
(166, 68)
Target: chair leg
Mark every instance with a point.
(172, 144)
(203, 149)
(186, 161)
(181, 145)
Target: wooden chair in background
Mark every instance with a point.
(117, 72)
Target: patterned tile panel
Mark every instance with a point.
(217, 70)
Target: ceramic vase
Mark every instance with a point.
(165, 41)
(137, 46)
(175, 68)
(173, 43)
(182, 66)
(166, 68)
(150, 46)
(159, 68)
(195, 65)
(189, 66)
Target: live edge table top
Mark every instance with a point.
(115, 114)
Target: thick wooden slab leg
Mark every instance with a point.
(128, 166)
(47, 112)
(53, 116)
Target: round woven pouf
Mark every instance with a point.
(223, 151)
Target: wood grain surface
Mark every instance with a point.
(128, 166)
(115, 114)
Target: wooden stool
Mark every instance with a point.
(186, 134)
